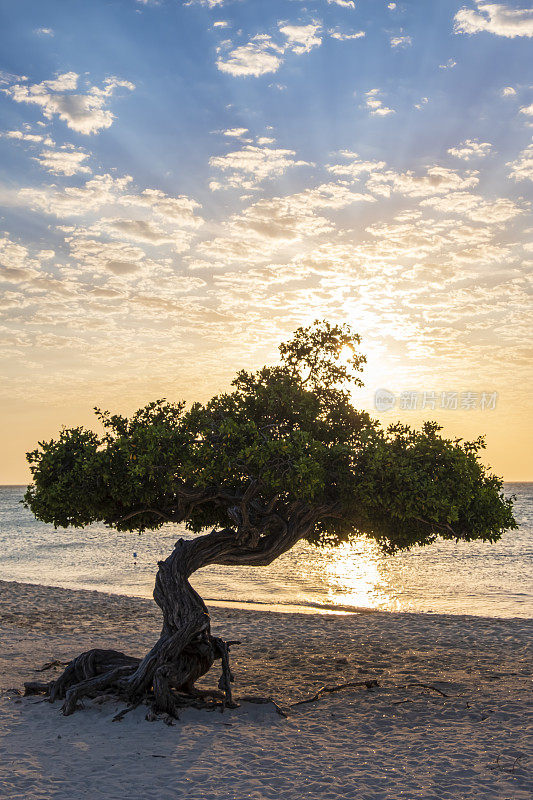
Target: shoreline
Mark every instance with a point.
(401, 739)
(243, 605)
(304, 608)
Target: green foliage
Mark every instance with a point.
(290, 429)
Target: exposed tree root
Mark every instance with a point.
(186, 650)
(50, 664)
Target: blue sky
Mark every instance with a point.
(183, 184)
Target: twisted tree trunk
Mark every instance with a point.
(186, 648)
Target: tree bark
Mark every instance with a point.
(186, 648)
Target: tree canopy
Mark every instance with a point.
(285, 439)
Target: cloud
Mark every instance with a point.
(84, 113)
(400, 41)
(254, 235)
(422, 103)
(527, 110)
(470, 148)
(344, 37)
(16, 266)
(301, 38)
(32, 138)
(99, 191)
(375, 104)
(508, 91)
(103, 191)
(63, 162)
(138, 230)
(281, 219)
(144, 231)
(522, 167)
(208, 3)
(343, 3)
(262, 55)
(44, 31)
(104, 257)
(249, 166)
(475, 207)
(494, 18)
(259, 57)
(179, 210)
(450, 64)
(354, 167)
(437, 180)
(235, 132)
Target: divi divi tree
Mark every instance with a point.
(283, 456)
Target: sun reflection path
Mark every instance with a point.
(356, 575)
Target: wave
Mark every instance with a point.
(294, 604)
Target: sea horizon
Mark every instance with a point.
(488, 579)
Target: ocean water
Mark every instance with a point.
(466, 578)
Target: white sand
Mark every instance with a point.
(385, 744)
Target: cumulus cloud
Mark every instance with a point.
(476, 207)
(301, 38)
(99, 191)
(508, 91)
(522, 167)
(344, 37)
(437, 180)
(450, 64)
(400, 41)
(138, 230)
(260, 56)
(63, 161)
(104, 191)
(103, 257)
(44, 31)
(494, 18)
(16, 266)
(31, 138)
(237, 132)
(144, 231)
(354, 167)
(269, 225)
(179, 210)
(343, 3)
(282, 219)
(470, 148)
(249, 166)
(527, 110)
(83, 112)
(208, 3)
(375, 104)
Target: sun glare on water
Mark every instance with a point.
(355, 577)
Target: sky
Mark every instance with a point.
(183, 184)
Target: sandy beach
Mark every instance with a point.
(465, 735)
